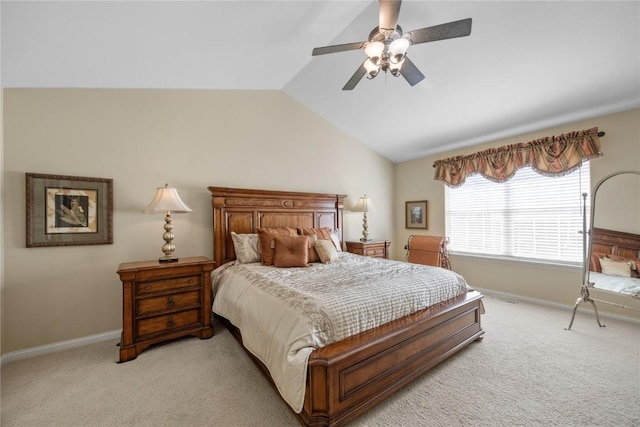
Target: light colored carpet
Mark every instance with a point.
(528, 371)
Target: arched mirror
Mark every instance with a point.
(612, 254)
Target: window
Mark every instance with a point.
(530, 216)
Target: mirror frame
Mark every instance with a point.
(585, 262)
(584, 289)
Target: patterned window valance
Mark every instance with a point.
(553, 156)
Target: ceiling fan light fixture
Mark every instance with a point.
(387, 45)
(394, 67)
(374, 51)
(398, 49)
(372, 69)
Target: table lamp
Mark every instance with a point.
(364, 205)
(166, 201)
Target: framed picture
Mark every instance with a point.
(416, 214)
(68, 210)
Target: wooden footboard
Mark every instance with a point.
(349, 377)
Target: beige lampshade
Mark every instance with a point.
(364, 205)
(166, 200)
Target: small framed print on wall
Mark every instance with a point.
(68, 210)
(416, 214)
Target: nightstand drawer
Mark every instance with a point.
(374, 248)
(168, 322)
(143, 288)
(375, 252)
(167, 302)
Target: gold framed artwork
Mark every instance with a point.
(416, 214)
(68, 210)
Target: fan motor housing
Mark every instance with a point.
(376, 36)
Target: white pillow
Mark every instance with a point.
(246, 247)
(335, 238)
(615, 268)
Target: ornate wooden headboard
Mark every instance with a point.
(626, 245)
(244, 211)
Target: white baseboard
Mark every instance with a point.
(62, 345)
(515, 298)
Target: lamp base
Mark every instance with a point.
(167, 259)
(365, 240)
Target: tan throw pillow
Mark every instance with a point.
(291, 251)
(323, 233)
(246, 247)
(319, 234)
(615, 268)
(313, 255)
(266, 239)
(594, 264)
(633, 264)
(326, 251)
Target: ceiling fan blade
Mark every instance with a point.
(337, 48)
(410, 72)
(357, 76)
(389, 12)
(449, 30)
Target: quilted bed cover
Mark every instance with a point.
(286, 313)
(622, 285)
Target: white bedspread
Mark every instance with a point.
(285, 313)
(623, 285)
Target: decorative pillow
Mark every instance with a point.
(266, 239)
(317, 233)
(245, 247)
(633, 264)
(291, 251)
(594, 265)
(323, 233)
(615, 268)
(335, 237)
(313, 255)
(326, 251)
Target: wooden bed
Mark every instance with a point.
(348, 377)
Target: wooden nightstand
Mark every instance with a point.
(374, 248)
(164, 301)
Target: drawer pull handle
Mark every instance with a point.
(146, 288)
(170, 322)
(170, 302)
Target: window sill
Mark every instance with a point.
(531, 262)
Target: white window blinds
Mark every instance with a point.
(531, 216)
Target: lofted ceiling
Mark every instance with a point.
(526, 65)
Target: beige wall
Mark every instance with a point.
(195, 138)
(143, 139)
(414, 181)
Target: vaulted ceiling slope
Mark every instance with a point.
(526, 65)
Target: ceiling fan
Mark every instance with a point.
(387, 46)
